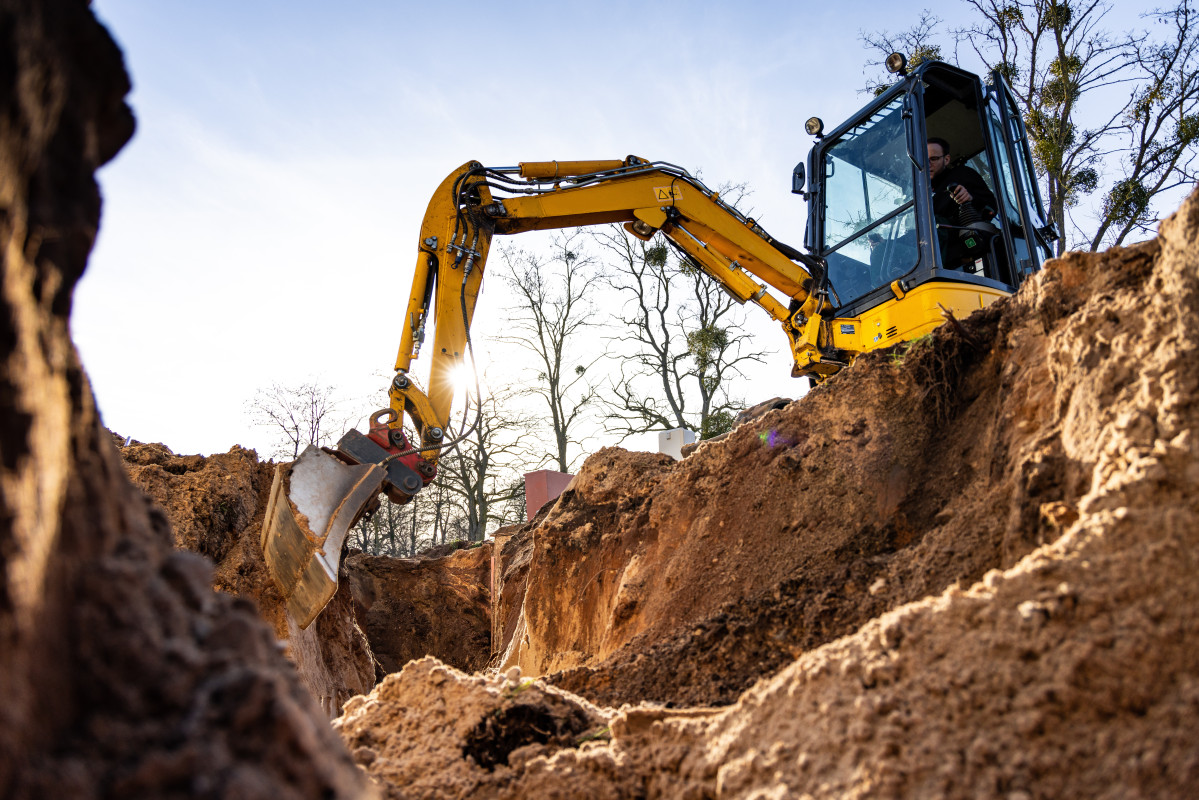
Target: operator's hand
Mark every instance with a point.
(960, 195)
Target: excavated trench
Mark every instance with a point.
(964, 568)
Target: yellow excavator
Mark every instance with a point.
(881, 267)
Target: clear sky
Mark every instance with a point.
(261, 226)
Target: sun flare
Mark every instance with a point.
(462, 378)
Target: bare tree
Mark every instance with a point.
(1159, 126)
(516, 507)
(479, 472)
(683, 338)
(917, 43)
(474, 488)
(1062, 66)
(402, 531)
(555, 310)
(299, 415)
(444, 507)
(1054, 53)
(391, 531)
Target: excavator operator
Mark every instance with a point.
(960, 197)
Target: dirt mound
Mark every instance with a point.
(914, 471)
(386, 611)
(418, 728)
(1054, 435)
(215, 505)
(122, 674)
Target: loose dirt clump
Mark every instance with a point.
(1027, 550)
(420, 726)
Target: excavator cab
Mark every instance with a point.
(871, 214)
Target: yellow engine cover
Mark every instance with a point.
(914, 314)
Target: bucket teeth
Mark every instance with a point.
(314, 501)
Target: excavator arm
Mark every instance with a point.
(475, 203)
(317, 499)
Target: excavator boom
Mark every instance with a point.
(472, 205)
(475, 203)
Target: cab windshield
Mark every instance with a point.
(869, 209)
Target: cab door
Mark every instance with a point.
(1027, 229)
(864, 206)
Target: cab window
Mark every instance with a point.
(869, 217)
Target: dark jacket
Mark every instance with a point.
(946, 208)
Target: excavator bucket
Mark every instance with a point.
(314, 501)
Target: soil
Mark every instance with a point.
(386, 612)
(215, 506)
(411, 608)
(919, 469)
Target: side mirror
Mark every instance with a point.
(797, 179)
